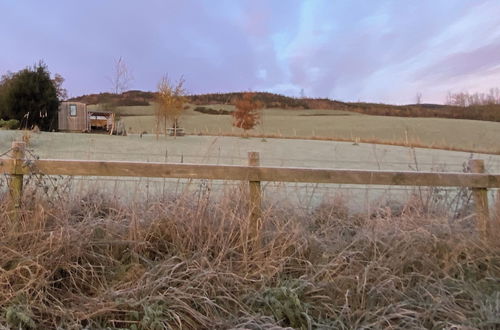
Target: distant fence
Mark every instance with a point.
(16, 166)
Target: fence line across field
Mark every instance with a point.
(176, 157)
(17, 166)
(173, 156)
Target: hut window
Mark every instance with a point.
(72, 110)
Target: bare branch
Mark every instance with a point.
(121, 78)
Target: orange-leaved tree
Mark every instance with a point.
(247, 113)
(170, 103)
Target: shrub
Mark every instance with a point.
(247, 114)
(211, 111)
(9, 124)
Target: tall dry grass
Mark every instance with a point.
(187, 262)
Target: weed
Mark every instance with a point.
(19, 316)
(286, 303)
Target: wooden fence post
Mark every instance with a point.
(16, 182)
(255, 197)
(480, 196)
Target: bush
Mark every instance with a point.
(211, 111)
(9, 124)
(247, 114)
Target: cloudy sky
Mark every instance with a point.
(381, 51)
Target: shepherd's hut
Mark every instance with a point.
(73, 116)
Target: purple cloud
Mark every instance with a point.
(374, 51)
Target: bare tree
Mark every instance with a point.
(62, 93)
(458, 99)
(418, 98)
(121, 77)
(464, 99)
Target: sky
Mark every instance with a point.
(351, 50)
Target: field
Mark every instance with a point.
(458, 134)
(234, 150)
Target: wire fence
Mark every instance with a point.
(303, 196)
(454, 163)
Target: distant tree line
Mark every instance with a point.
(31, 97)
(464, 99)
(474, 112)
(134, 97)
(268, 100)
(128, 98)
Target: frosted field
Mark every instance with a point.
(233, 151)
(332, 124)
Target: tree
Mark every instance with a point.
(464, 99)
(170, 103)
(247, 114)
(30, 96)
(121, 77)
(4, 87)
(62, 93)
(302, 93)
(418, 98)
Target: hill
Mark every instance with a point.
(270, 100)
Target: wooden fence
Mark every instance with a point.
(16, 166)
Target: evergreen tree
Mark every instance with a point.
(30, 96)
(4, 86)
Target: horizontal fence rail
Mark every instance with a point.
(249, 173)
(17, 166)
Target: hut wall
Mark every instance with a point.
(73, 116)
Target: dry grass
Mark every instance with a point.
(186, 262)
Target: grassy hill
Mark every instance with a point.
(270, 100)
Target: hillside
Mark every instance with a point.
(270, 100)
